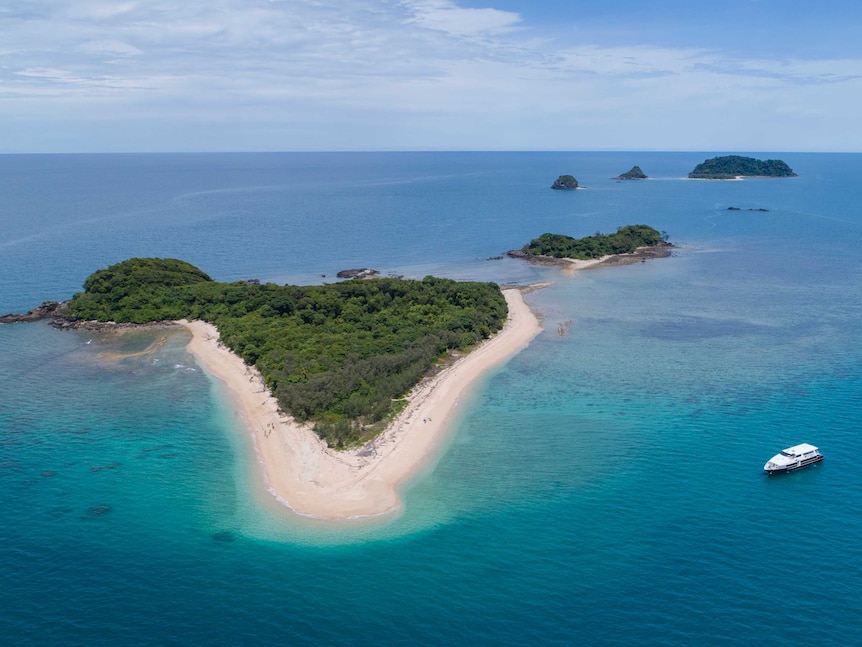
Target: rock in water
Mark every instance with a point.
(634, 174)
(565, 183)
(362, 273)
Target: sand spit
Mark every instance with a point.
(313, 480)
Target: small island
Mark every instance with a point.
(624, 241)
(634, 174)
(346, 389)
(338, 356)
(565, 183)
(731, 167)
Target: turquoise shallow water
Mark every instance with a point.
(603, 487)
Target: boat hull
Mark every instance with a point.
(780, 469)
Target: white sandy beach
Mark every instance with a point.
(311, 479)
(575, 264)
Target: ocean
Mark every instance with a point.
(604, 487)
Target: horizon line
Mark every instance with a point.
(428, 150)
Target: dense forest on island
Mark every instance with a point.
(340, 356)
(626, 240)
(634, 174)
(565, 183)
(731, 166)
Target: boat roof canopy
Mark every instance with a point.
(801, 449)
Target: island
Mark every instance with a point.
(731, 167)
(628, 244)
(346, 388)
(338, 355)
(565, 183)
(634, 174)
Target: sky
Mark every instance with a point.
(346, 75)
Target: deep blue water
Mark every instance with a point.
(604, 487)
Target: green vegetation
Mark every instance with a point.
(138, 290)
(634, 174)
(624, 241)
(731, 166)
(565, 182)
(338, 355)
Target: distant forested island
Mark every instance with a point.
(732, 166)
(339, 356)
(634, 174)
(624, 241)
(565, 183)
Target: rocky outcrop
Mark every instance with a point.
(640, 255)
(60, 316)
(73, 323)
(363, 273)
(565, 183)
(662, 249)
(534, 259)
(47, 310)
(634, 174)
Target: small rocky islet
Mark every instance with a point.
(634, 174)
(565, 183)
(726, 167)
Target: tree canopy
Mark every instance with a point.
(565, 182)
(626, 240)
(338, 355)
(138, 290)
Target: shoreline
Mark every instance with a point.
(310, 479)
(571, 265)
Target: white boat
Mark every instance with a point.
(793, 458)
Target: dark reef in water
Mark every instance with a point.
(100, 468)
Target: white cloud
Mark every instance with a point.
(386, 73)
(630, 61)
(806, 72)
(56, 77)
(446, 16)
(111, 47)
(100, 10)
